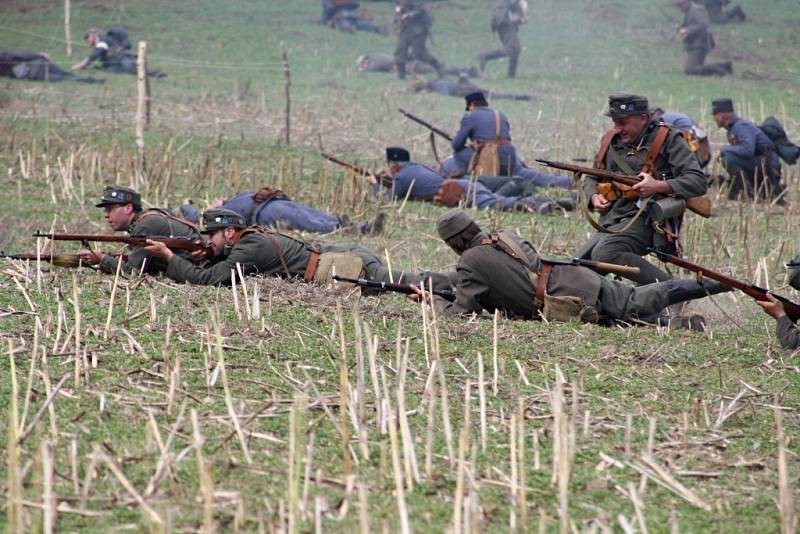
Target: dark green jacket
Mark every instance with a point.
(788, 333)
(675, 162)
(489, 279)
(695, 22)
(256, 254)
(151, 223)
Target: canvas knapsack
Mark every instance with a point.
(787, 151)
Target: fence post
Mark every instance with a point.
(143, 104)
(286, 85)
(67, 29)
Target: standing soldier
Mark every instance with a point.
(122, 209)
(698, 41)
(507, 15)
(658, 154)
(415, 27)
(749, 158)
(719, 16)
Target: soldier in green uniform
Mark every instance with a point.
(698, 41)
(637, 145)
(787, 330)
(507, 15)
(262, 251)
(504, 272)
(415, 27)
(122, 209)
(719, 16)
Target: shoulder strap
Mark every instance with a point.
(652, 154)
(496, 124)
(270, 234)
(600, 158)
(167, 215)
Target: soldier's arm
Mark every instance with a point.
(183, 270)
(589, 188)
(468, 288)
(698, 22)
(745, 146)
(464, 130)
(97, 53)
(788, 333)
(108, 264)
(688, 179)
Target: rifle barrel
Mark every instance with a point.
(176, 243)
(429, 126)
(791, 308)
(406, 289)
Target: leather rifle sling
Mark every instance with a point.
(313, 263)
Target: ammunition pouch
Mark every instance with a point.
(611, 191)
(568, 309)
(450, 194)
(340, 263)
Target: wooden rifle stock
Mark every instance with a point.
(791, 308)
(406, 289)
(699, 205)
(173, 243)
(427, 125)
(599, 265)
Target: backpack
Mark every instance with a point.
(788, 151)
(117, 37)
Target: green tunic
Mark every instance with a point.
(260, 254)
(489, 279)
(151, 223)
(788, 333)
(676, 163)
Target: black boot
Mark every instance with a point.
(401, 71)
(682, 290)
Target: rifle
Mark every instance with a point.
(599, 265)
(427, 125)
(174, 243)
(699, 205)
(59, 260)
(357, 170)
(792, 265)
(791, 308)
(406, 289)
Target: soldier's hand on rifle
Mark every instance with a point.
(649, 186)
(89, 257)
(419, 295)
(199, 255)
(159, 250)
(772, 306)
(600, 203)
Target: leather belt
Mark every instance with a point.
(313, 263)
(541, 285)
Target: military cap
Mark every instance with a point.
(477, 96)
(218, 219)
(625, 104)
(452, 223)
(722, 105)
(119, 194)
(397, 154)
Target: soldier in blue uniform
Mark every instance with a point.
(407, 178)
(484, 126)
(113, 51)
(37, 67)
(696, 138)
(750, 159)
(474, 193)
(272, 208)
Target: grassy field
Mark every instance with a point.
(140, 404)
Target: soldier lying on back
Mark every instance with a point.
(385, 63)
(122, 209)
(271, 207)
(504, 272)
(787, 331)
(262, 251)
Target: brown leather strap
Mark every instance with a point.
(498, 141)
(167, 215)
(279, 253)
(652, 154)
(600, 158)
(313, 263)
(541, 285)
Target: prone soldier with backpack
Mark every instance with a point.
(112, 50)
